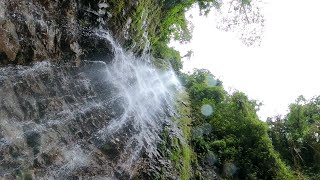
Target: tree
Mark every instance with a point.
(296, 135)
(245, 18)
(232, 133)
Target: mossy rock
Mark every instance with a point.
(23, 175)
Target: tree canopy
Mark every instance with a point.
(227, 134)
(296, 136)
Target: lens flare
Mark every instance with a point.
(229, 169)
(211, 158)
(210, 81)
(206, 110)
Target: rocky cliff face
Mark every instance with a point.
(57, 30)
(95, 121)
(65, 123)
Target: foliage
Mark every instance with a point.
(296, 136)
(164, 54)
(155, 23)
(176, 149)
(233, 138)
(183, 122)
(245, 18)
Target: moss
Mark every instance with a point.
(186, 163)
(106, 148)
(151, 24)
(184, 122)
(145, 19)
(175, 149)
(23, 175)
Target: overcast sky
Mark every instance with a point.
(286, 65)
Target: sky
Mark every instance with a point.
(286, 65)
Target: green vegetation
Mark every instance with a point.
(184, 122)
(175, 148)
(150, 22)
(296, 137)
(23, 175)
(156, 23)
(227, 134)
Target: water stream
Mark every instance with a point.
(94, 121)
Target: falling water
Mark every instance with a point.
(95, 121)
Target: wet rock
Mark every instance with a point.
(33, 140)
(121, 174)
(62, 119)
(33, 31)
(9, 44)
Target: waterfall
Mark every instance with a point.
(94, 121)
